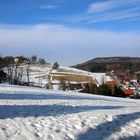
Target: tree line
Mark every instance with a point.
(7, 60)
(14, 71)
(104, 89)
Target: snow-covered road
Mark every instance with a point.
(39, 114)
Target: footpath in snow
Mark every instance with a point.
(38, 114)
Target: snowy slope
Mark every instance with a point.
(38, 114)
(38, 74)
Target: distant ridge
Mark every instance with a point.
(106, 64)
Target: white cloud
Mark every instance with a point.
(112, 10)
(116, 5)
(66, 45)
(101, 6)
(112, 16)
(48, 7)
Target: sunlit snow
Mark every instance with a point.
(38, 114)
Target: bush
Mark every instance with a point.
(101, 90)
(104, 90)
(86, 89)
(3, 76)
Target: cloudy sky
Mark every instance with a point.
(70, 31)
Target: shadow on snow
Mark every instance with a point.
(104, 130)
(13, 111)
(49, 96)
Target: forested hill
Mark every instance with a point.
(105, 64)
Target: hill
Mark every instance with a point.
(122, 66)
(39, 74)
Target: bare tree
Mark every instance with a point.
(62, 84)
(55, 66)
(9, 70)
(34, 59)
(42, 61)
(28, 64)
(15, 72)
(49, 84)
(19, 75)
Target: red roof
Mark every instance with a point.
(128, 91)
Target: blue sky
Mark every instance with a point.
(70, 31)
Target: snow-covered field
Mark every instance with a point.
(38, 114)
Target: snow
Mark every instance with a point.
(38, 74)
(38, 114)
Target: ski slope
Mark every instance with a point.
(38, 114)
